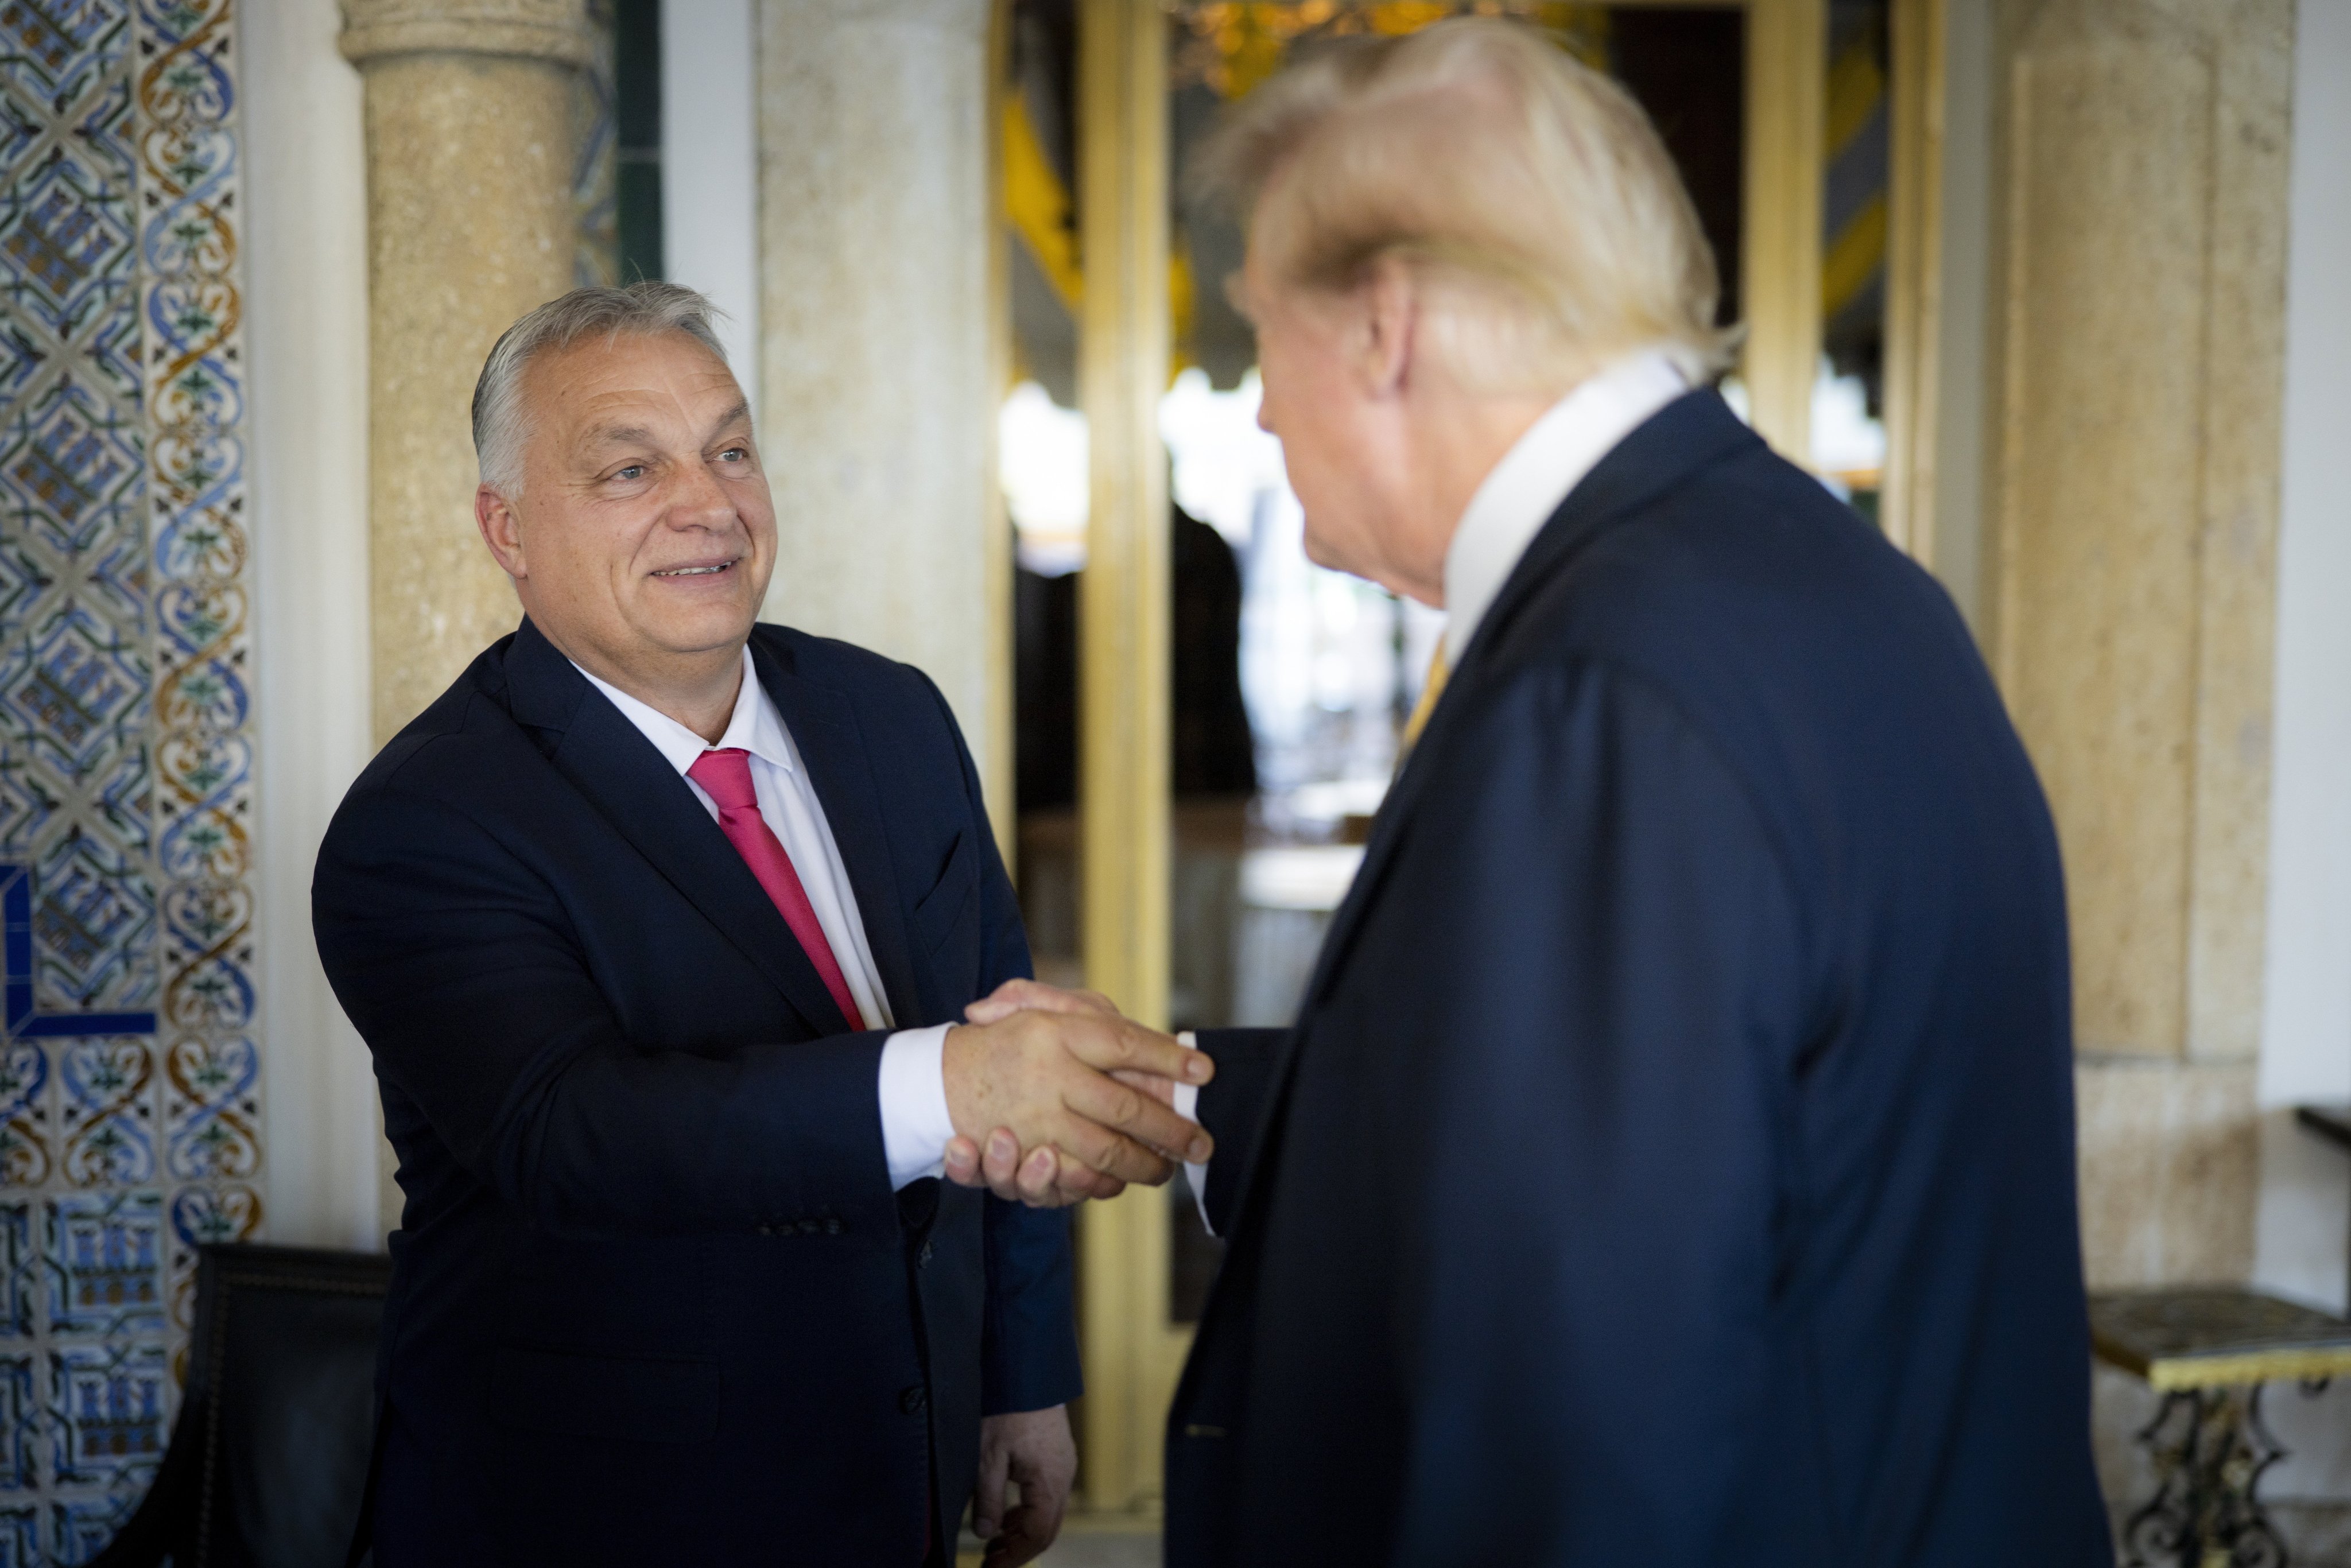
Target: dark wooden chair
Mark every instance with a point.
(268, 1463)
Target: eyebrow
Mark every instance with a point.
(617, 435)
(741, 411)
(628, 434)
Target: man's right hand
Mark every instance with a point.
(1043, 1077)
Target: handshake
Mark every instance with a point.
(1055, 1097)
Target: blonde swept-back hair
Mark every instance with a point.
(1526, 192)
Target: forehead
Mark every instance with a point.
(644, 379)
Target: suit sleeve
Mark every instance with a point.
(457, 963)
(1233, 1106)
(1587, 1182)
(1028, 1333)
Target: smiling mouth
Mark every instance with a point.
(697, 570)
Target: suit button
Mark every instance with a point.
(912, 1400)
(765, 1230)
(833, 1227)
(924, 1256)
(808, 1227)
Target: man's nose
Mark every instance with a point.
(700, 501)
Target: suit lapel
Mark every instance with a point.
(604, 756)
(1680, 438)
(823, 724)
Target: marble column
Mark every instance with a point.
(877, 404)
(2138, 292)
(470, 220)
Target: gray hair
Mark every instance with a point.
(645, 309)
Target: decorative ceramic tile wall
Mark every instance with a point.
(130, 1078)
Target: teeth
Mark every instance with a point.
(695, 571)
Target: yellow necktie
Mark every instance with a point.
(1433, 688)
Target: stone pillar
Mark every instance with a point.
(877, 407)
(470, 223)
(2138, 279)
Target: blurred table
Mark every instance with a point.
(2209, 1351)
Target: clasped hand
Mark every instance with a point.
(1056, 1098)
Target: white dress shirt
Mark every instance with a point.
(1510, 507)
(915, 1126)
(1520, 494)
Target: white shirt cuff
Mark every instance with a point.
(916, 1125)
(1188, 1105)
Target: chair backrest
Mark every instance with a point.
(280, 1403)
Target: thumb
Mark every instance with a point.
(1034, 996)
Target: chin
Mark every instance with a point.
(703, 629)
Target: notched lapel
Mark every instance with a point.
(823, 724)
(606, 759)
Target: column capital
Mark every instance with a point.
(553, 31)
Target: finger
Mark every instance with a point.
(988, 1497)
(1023, 1540)
(1151, 1083)
(962, 1162)
(1102, 1150)
(1001, 1165)
(1138, 1115)
(1040, 1180)
(1124, 1043)
(1081, 1182)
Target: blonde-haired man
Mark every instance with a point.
(1672, 1161)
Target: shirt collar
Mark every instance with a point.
(754, 727)
(1523, 491)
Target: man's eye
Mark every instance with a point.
(733, 455)
(631, 471)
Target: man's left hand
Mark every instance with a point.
(1033, 1448)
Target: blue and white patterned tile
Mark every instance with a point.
(126, 790)
(71, 462)
(66, 243)
(27, 1116)
(20, 131)
(104, 1254)
(93, 925)
(21, 355)
(84, 678)
(20, 1269)
(106, 1111)
(109, 1412)
(24, 582)
(211, 1109)
(56, 48)
(81, 1524)
(20, 1538)
(20, 1427)
(28, 801)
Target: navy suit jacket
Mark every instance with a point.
(654, 1300)
(1673, 1161)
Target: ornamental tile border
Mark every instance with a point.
(130, 1071)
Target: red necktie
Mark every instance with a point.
(725, 777)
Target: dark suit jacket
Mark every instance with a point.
(1673, 1161)
(654, 1300)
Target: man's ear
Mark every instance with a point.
(501, 530)
(1387, 327)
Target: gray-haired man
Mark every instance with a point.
(656, 922)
